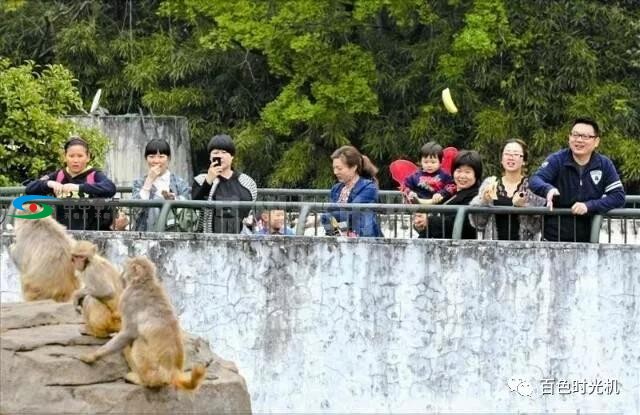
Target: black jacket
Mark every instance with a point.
(79, 217)
(440, 225)
(238, 187)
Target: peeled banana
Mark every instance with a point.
(448, 101)
(491, 191)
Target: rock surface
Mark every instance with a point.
(40, 372)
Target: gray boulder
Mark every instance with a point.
(40, 372)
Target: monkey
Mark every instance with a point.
(150, 336)
(42, 254)
(99, 297)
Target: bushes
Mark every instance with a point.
(33, 103)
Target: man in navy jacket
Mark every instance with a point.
(578, 178)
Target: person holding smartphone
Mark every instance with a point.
(221, 182)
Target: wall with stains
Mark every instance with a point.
(364, 325)
(129, 134)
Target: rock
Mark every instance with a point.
(40, 371)
(37, 313)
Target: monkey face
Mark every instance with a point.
(79, 262)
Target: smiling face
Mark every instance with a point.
(158, 160)
(76, 158)
(513, 158)
(464, 177)
(583, 140)
(343, 172)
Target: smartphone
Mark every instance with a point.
(216, 161)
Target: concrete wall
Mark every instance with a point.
(130, 133)
(331, 325)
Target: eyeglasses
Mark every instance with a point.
(512, 155)
(582, 136)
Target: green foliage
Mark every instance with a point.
(405, 12)
(11, 5)
(294, 79)
(32, 124)
(485, 33)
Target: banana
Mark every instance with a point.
(448, 101)
(491, 191)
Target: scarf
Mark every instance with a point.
(208, 213)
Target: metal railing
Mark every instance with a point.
(299, 212)
(267, 194)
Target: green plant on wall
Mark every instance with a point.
(33, 104)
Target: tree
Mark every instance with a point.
(294, 79)
(143, 62)
(33, 103)
(370, 73)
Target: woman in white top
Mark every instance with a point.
(158, 183)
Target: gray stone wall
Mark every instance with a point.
(130, 133)
(366, 325)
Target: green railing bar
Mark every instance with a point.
(161, 223)
(596, 224)
(458, 223)
(306, 207)
(302, 220)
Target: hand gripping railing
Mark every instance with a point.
(305, 208)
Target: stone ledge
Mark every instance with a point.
(40, 372)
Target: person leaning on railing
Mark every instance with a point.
(578, 178)
(511, 190)
(77, 180)
(356, 184)
(158, 184)
(221, 182)
(467, 171)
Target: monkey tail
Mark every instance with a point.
(182, 380)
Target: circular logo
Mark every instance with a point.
(20, 202)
